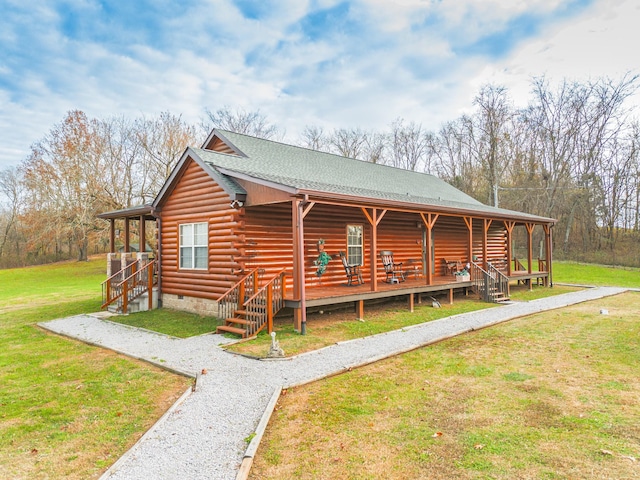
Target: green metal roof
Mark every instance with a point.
(307, 170)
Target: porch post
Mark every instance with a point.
(509, 226)
(429, 221)
(547, 251)
(142, 247)
(112, 235)
(469, 223)
(126, 234)
(373, 220)
(373, 264)
(299, 314)
(485, 241)
(530, 246)
(550, 255)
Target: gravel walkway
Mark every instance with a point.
(203, 438)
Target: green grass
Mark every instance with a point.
(599, 275)
(553, 395)
(323, 330)
(47, 284)
(67, 410)
(170, 322)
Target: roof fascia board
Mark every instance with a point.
(180, 167)
(413, 207)
(215, 133)
(145, 210)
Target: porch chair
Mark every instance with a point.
(393, 270)
(352, 271)
(450, 267)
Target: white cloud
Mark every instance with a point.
(599, 43)
(381, 61)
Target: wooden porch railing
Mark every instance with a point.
(128, 284)
(492, 285)
(517, 265)
(244, 288)
(265, 304)
(499, 284)
(542, 265)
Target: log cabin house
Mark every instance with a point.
(247, 226)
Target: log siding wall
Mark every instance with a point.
(197, 198)
(268, 240)
(261, 237)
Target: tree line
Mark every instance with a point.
(571, 154)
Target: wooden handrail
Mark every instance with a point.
(275, 277)
(266, 304)
(237, 284)
(122, 288)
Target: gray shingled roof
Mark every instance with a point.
(312, 171)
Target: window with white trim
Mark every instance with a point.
(194, 249)
(355, 244)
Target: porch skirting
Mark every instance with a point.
(200, 306)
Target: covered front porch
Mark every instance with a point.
(431, 246)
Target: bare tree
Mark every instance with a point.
(163, 141)
(314, 138)
(408, 144)
(64, 175)
(491, 123)
(11, 186)
(348, 142)
(252, 123)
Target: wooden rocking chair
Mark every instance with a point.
(352, 271)
(393, 270)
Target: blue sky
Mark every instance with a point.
(323, 62)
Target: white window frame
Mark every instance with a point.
(354, 258)
(191, 240)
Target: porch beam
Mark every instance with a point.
(308, 209)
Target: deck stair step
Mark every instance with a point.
(235, 330)
(238, 321)
(256, 313)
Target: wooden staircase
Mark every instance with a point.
(247, 308)
(121, 290)
(492, 285)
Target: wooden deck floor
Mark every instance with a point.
(335, 294)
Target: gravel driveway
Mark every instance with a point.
(204, 437)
